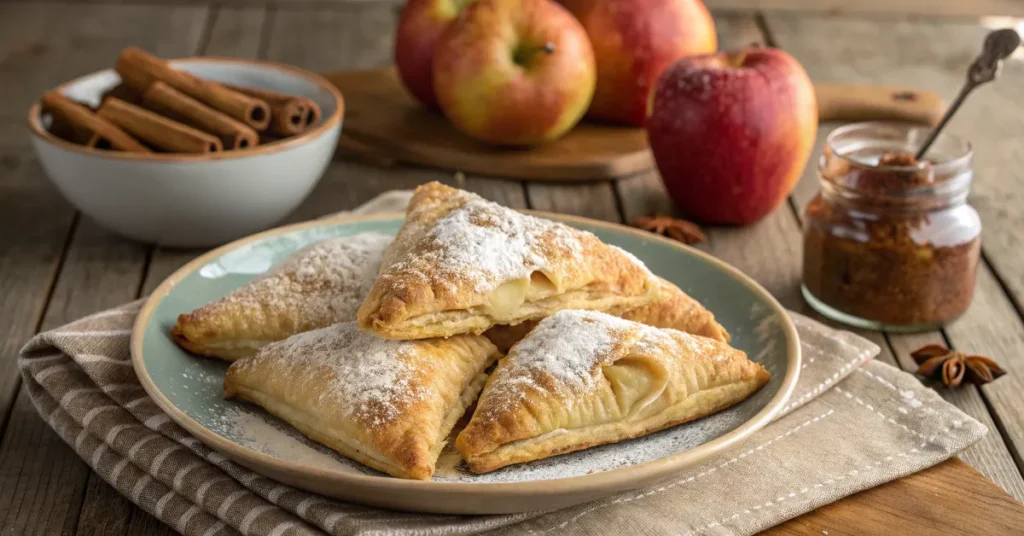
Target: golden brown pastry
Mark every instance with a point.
(673, 308)
(584, 378)
(386, 404)
(318, 285)
(461, 264)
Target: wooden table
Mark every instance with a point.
(56, 265)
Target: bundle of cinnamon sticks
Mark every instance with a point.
(159, 108)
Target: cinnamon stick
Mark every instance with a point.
(172, 103)
(98, 142)
(289, 114)
(157, 130)
(81, 117)
(64, 130)
(124, 92)
(140, 69)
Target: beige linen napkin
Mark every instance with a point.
(851, 424)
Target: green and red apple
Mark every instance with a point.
(634, 42)
(420, 25)
(731, 132)
(514, 72)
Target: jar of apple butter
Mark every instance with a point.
(890, 242)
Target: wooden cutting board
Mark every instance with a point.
(950, 498)
(380, 117)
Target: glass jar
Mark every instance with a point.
(891, 243)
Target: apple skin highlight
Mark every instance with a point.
(514, 72)
(634, 42)
(732, 132)
(420, 26)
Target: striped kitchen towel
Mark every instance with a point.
(851, 424)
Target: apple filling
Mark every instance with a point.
(504, 302)
(517, 301)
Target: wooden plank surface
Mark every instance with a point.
(891, 55)
(99, 269)
(889, 8)
(53, 496)
(917, 505)
(929, 8)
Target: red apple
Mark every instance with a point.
(419, 27)
(514, 72)
(634, 42)
(731, 132)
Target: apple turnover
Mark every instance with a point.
(585, 378)
(321, 284)
(387, 404)
(672, 308)
(461, 264)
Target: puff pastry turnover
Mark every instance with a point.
(318, 285)
(386, 404)
(584, 378)
(461, 264)
(672, 308)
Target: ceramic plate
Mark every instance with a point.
(190, 390)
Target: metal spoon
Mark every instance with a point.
(999, 44)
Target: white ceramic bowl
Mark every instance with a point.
(195, 200)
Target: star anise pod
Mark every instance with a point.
(952, 366)
(680, 230)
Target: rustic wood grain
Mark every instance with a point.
(345, 186)
(233, 31)
(875, 61)
(917, 505)
(105, 512)
(34, 223)
(594, 200)
(41, 479)
(990, 327)
(100, 270)
(929, 8)
(345, 36)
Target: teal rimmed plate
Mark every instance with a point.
(189, 388)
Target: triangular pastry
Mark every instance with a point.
(672, 308)
(584, 378)
(386, 404)
(461, 264)
(321, 284)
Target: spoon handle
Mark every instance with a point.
(998, 46)
(964, 91)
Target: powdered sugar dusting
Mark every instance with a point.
(485, 244)
(567, 346)
(370, 379)
(566, 350)
(323, 283)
